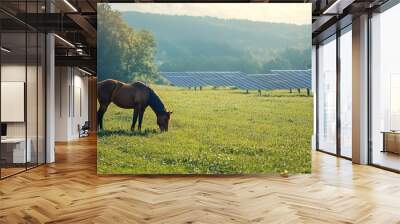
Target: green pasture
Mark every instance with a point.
(212, 131)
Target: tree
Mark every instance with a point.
(123, 53)
(290, 59)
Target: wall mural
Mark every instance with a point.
(204, 88)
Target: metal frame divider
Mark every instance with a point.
(37, 90)
(369, 78)
(338, 76)
(0, 91)
(26, 86)
(316, 95)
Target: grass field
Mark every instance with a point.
(213, 131)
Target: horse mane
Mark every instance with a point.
(155, 103)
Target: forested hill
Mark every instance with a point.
(186, 43)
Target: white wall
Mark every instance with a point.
(62, 81)
(71, 94)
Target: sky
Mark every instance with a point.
(263, 12)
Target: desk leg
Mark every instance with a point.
(384, 142)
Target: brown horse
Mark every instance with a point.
(136, 96)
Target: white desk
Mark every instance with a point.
(19, 155)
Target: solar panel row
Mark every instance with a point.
(279, 79)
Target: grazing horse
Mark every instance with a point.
(136, 96)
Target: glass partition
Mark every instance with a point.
(22, 88)
(13, 121)
(327, 95)
(385, 89)
(346, 92)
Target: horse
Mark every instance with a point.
(136, 96)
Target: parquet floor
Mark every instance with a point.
(69, 191)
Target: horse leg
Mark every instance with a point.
(141, 113)
(100, 115)
(99, 118)
(134, 119)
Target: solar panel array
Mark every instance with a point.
(197, 79)
(299, 78)
(279, 79)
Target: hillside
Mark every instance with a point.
(205, 43)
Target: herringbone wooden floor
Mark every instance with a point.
(69, 191)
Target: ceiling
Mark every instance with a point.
(330, 15)
(73, 21)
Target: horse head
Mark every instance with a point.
(163, 120)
